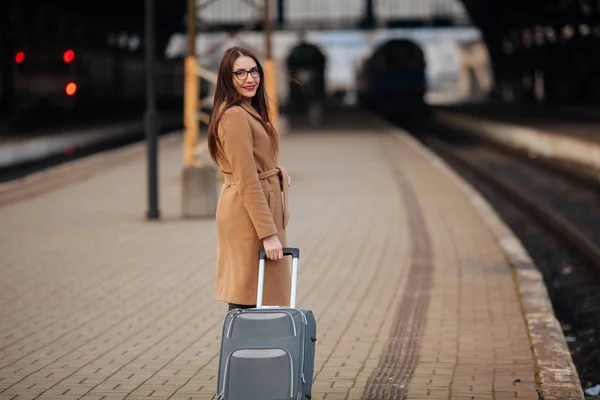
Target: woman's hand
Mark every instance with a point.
(273, 247)
(289, 181)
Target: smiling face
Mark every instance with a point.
(246, 76)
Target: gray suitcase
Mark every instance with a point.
(268, 353)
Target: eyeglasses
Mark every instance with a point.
(242, 74)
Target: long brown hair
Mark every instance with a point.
(225, 92)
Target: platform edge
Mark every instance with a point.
(556, 375)
(583, 153)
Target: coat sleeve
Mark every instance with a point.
(236, 139)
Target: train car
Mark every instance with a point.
(393, 79)
(68, 62)
(43, 77)
(306, 69)
(68, 80)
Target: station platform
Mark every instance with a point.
(31, 146)
(567, 134)
(578, 122)
(419, 290)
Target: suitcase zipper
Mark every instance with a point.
(289, 314)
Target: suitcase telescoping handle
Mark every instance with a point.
(287, 251)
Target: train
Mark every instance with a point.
(393, 80)
(67, 59)
(67, 81)
(307, 89)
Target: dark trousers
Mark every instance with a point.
(233, 306)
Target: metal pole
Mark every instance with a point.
(267, 28)
(369, 17)
(269, 67)
(280, 13)
(191, 94)
(151, 117)
(191, 27)
(198, 185)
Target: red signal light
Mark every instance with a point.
(71, 88)
(68, 56)
(19, 57)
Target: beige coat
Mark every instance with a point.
(250, 208)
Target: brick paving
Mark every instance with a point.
(97, 303)
(475, 342)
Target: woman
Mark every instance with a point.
(252, 212)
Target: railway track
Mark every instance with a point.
(555, 211)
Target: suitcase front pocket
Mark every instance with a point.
(265, 374)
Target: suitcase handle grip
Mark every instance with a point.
(287, 251)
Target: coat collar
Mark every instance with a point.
(248, 107)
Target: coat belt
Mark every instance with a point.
(229, 179)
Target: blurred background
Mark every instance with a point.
(68, 60)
